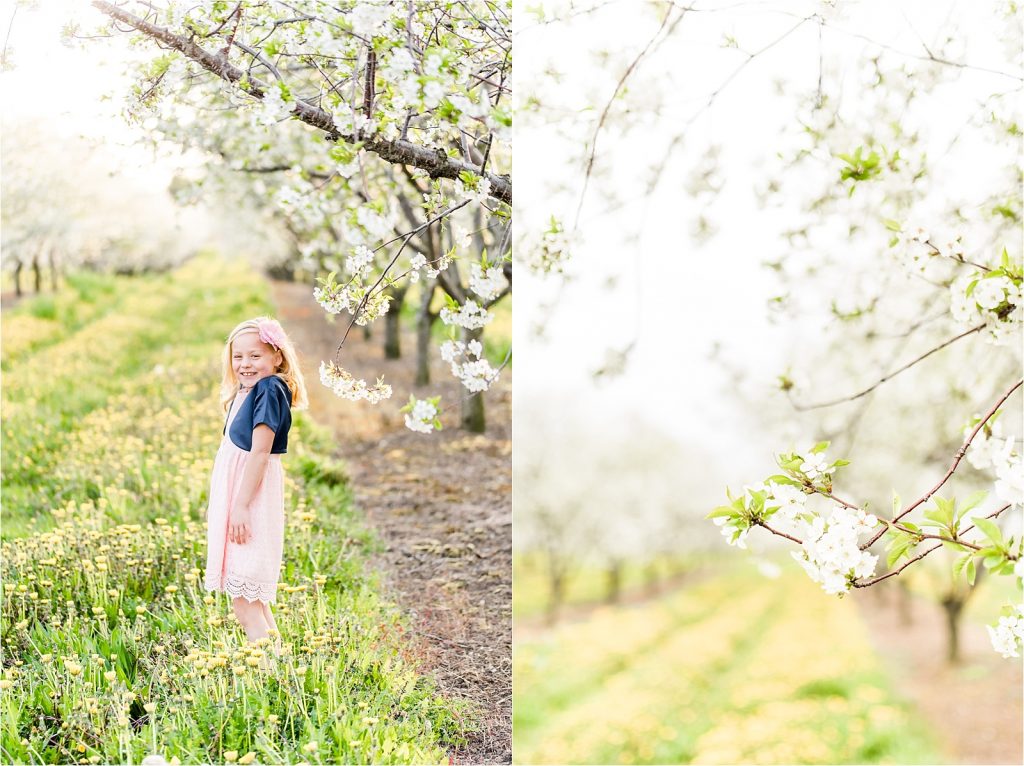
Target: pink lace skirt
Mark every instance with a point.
(250, 570)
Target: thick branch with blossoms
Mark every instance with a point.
(436, 163)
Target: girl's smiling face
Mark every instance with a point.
(252, 359)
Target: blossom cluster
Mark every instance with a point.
(353, 297)
(345, 385)
(468, 364)
(421, 414)
(470, 315)
(990, 298)
(1007, 635)
(989, 451)
(831, 553)
(487, 283)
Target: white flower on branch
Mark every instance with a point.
(815, 465)
(421, 415)
(468, 364)
(360, 261)
(487, 283)
(368, 19)
(831, 553)
(993, 300)
(345, 385)
(1007, 635)
(470, 315)
(791, 500)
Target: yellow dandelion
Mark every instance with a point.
(248, 757)
(171, 589)
(310, 747)
(239, 670)
(150, 707)
(273, 718)
(110, 675)
(140, 609)
(231, 756)
(6, 683)
(21, 625)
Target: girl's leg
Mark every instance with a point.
(251, 617)
(272, 623)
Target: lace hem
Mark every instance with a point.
(251, 590)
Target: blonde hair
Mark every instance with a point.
(288, 370)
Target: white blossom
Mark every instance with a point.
(468, 365)
(421, 417)
(345, 385)
(1007, 635)
(470, 315)
(488, 283)
(830, 552)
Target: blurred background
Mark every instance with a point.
(714, 240)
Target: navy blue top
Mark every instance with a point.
(269, 403)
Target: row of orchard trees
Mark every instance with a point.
(893, 191)
(376, 134)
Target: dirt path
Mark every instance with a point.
(974, 707)
(442, 504)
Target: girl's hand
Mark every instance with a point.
(240, 526)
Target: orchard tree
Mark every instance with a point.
(406, 110)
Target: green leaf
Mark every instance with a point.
(720, 511)
(990, 529)
(892, 225)
(819, 447)
(971, 502)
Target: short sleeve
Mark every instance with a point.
(269, 406)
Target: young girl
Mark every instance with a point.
(245, 516)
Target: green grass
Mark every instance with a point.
(733, 669)
(104, 541)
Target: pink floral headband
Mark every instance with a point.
(271, 332)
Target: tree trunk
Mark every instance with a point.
(556, 581)
(393, 324)
(367, 332)
(17, 278)
(953, 605)
(424, 321)
(614, 583)
(38, 274)
(473, 417)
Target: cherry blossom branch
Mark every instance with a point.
(436, 162)
(406, 238)
(956, 461)
(921, 555)
(774, 531)
(884, 379)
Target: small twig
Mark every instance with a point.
(884, 379)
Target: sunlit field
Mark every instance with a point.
(112, 651)
(731, 668)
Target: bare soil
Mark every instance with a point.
(975, 706)
(442, 503)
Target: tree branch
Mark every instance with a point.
(436, 162)
(956, 462)
(884, 379)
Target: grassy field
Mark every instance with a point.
(111, 648)
(735, 668)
